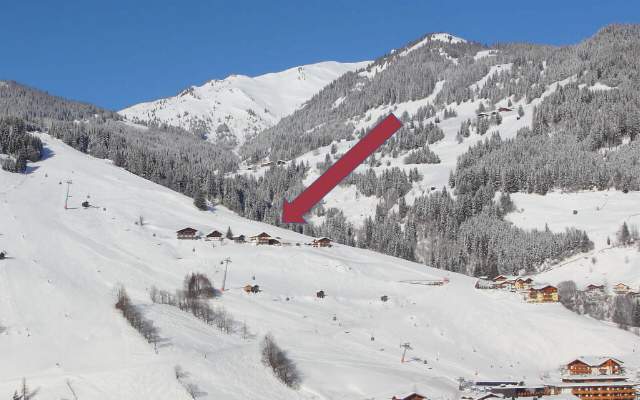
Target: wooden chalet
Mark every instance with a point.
(485, 284)
(522, 283)
(489, 396)
(274, 242)
(596, 378)
(591, 288)
(504, 109)
(260, 238)
(411, 396)
(239, 239)
(504, 282)
(594, 365)
(522, 390)
(321, 242)
(187, 233)
(214, 235)
(621, 288)
(543, 294)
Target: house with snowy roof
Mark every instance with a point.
(621, 288)
(260, 238)
(321, 242)
(410, 396)
(595, 365)
(596, 378)
(187, 233)
(214, 235)
(542, 294)
(591, 288)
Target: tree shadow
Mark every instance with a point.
(46, 153)
(30, 169)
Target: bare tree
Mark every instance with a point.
(154, 294)
(283, 367)
(192, 389)
(180, 372)
(567, 294)
(24, 393)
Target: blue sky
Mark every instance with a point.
(117, 53)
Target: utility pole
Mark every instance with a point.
(226, 261)
(405, 346)
(66, 199)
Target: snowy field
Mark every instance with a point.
(57, 302)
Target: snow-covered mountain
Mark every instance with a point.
(57, 295)
(239, 106)
(518, 119)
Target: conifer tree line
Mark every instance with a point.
(16, 142)
(403, 77)
(609, 58)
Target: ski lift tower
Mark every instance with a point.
(66, 199)
(226, 261)
(405, 347)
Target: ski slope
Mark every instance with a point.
(57, 295)
(245, 105)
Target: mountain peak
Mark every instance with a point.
(445, 37)
(247, 105)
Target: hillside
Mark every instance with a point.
(601, 214)
(57, 295)
(481, 125)
(239, 106)
(480, 122)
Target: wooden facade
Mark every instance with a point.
(522, 390)
(594, 288)
(523, 283)
(596, 379)
(321, 242)
(544, 294)
(214, 235)
(412, 396)
(621, 288)
(239, 239)
(187, 233)
(261, 238)
(601, 366)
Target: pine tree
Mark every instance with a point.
(520, 111)
(402, 207)
(624, 236)
(200, 201)
(636, 314)
(229, 234)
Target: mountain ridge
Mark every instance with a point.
(238, 107)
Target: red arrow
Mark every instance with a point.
(293, 212)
